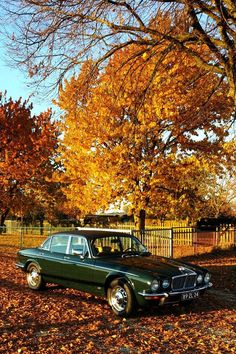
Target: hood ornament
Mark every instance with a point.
(182, 269)
(186, 271)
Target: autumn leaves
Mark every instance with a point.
(27, 148)
(150, 127)
(149, 137)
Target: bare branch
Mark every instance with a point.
(69, 32)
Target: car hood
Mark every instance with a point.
(156, 265)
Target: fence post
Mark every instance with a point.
(142, 235)
(21, 237)
(172, 242)
(216, 242)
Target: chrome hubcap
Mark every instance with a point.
(33, 277)
(119, 298)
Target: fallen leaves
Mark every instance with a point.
(67, 321)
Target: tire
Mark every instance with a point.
(34, 278)
(121, 298)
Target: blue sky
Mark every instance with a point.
(17, 85)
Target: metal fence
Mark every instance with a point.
(157, 241)
(172, 242)
(26, 236)
(197, 241)
(186, 241)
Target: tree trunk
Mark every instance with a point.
(141, 223)
(139, 219)
(142, 219)
(41, 220)
(3, 218)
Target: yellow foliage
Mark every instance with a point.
(126, 136)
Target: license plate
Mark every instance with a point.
(190, 296)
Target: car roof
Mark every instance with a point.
(93, 233)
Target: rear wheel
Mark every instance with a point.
(34, 278)
(121, 298)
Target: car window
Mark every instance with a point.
(46, 245)
(106, 246)
(116, 245)
(59, 243)
(78, 246)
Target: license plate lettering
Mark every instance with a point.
(190, 296)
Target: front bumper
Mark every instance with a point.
(174, 296)
(20, 265)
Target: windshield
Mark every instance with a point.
(117, 245)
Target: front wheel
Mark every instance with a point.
(34, 278)
(121, 298)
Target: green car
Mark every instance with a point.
(115, 265)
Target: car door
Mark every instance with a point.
(52, 257)
(78, 266)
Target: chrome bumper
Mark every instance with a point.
(20, 265)
(173, 293)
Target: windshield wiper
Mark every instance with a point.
(130, 254)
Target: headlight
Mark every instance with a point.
(207, 278)
(155, 285)
(165, 283)
(199, 278)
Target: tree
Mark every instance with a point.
(203, 189)
(27, 152)
(117, 145)
(57, 36)
(220, 196)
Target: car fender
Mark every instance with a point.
(112, 276)
(31, 261)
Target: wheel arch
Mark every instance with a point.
(114, 276)
(29, 261)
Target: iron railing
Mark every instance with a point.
(173, 242)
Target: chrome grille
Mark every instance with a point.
(181, 282)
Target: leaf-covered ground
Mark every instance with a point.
(68, 321)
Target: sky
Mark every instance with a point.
(12, 79)
(16, 84)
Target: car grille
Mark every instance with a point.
(181, 282)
